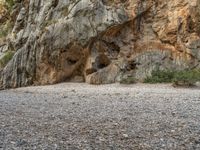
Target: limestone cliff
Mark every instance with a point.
(98, 41)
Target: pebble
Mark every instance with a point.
(110, 116)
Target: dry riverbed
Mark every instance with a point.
(107, 117)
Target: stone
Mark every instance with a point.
(98, 41)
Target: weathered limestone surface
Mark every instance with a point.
(99, 41)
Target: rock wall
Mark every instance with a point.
(99, 41)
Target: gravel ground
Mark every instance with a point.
(107, 117)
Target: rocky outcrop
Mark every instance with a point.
(99, 41)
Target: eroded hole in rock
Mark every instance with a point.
(55, 3)
(131, 65)
(190, 24)
(99, 62)
(102, 61)
(66, 64)
(71, 61)
(112, 49)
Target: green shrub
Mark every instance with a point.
(186, 78)
(6, 58)
(10, 4)
(65, 10)
(178, 78)
(128, 80)
(160, 76)
(3, 32)
(5, 29)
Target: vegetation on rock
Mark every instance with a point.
(6, 23)
(160, 76)
(6, 58)
(178, 78)
(186, 78)
(10, 4)
(5, 29)
(128, 80)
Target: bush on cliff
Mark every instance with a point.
(10, 4)
(5, 29)
(160, 76)
(178, 78)
(6, 58)
(186, 78)
(128, 80)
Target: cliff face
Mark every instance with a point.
(99, 41)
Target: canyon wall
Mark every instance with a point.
(98, 41)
